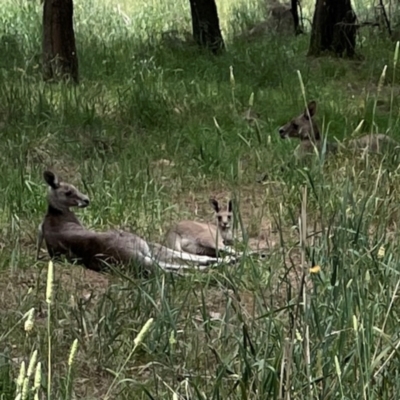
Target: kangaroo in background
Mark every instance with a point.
(204, 238)
(65, 235)
(305, 128)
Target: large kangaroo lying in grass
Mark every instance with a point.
(65, 235)
(305, 128)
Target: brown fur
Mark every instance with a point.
(65, 235)
(203, 238)
(305, 128)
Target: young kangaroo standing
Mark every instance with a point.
(204, 238)
(305, 128)
(65, 235)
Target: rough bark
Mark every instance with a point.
(334, 28)
(205, 24)
(60, 60)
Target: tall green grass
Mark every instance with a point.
(270, 329)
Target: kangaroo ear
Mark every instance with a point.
(312, 108)
(230, 206)
(51, 179)
(215, 205)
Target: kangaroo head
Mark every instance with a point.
(303, 126)
(224, 221)
(63, 195)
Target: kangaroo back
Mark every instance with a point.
(375, 143)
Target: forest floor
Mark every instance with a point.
(152, 131)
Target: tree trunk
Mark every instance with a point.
(60, 60)
(296, 18)
(334, 28)
(205, 23)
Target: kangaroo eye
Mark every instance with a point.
(68, 193)
(295, 126)
(229, 217)
(219, 218)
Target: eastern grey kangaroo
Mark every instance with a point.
(205, 238)
(305, 128)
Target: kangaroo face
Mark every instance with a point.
(63, 195)
(302, 127)
(224, 221)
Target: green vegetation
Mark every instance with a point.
(150, 133)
